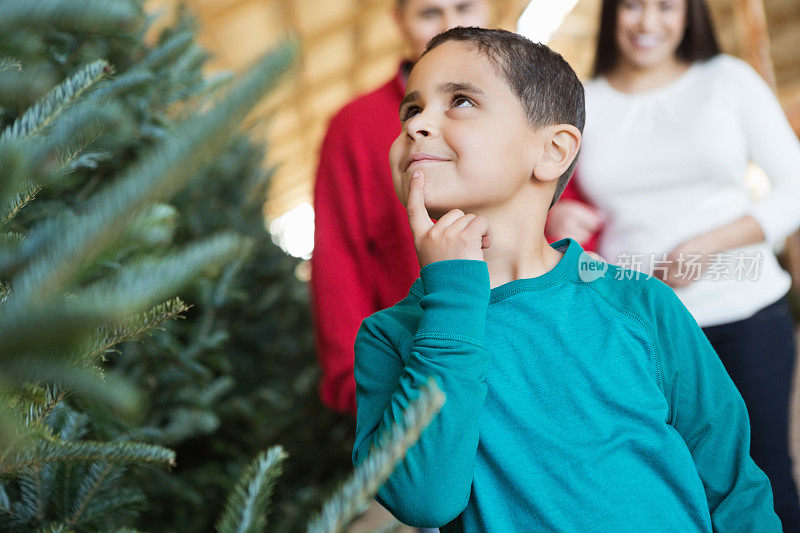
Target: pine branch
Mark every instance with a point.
(34, 331)
(113, 390)
(9, 63)
(18, 167)
(167, 51)
(155, 225)
(40, 159)
(44, 452)
(140, 283)
(37, 402)
(18, 85)
(55, 527)
(113, 504)
(156, 175)
(73, 425)
(123, 83)
(26, 507)
(188, 63)
(247, 505)
(215, 82)
(41, 114)
(100, 476)
(107, 17)
(76, 129)
(17, 202)
(5, 290)
(389, 449)
(109, 336)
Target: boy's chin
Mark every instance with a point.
(438, 211)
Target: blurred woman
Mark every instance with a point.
(672, 125)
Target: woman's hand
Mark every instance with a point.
(686, 263)
(571, 218)
(454, 236)
(697, 252)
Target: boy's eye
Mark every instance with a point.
(408, 112)
(460, 100)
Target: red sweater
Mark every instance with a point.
(364, 258)
(573, 192)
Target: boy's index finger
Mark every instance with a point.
(417, 214)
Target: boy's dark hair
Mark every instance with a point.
(545, 84)
(699, 41)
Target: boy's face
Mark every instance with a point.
(422, 20)
(464, 128)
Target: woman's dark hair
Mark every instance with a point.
(699, 41)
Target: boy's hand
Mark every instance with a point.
(454, 236)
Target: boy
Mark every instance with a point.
(579, 397)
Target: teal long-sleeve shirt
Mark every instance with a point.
(585, 399)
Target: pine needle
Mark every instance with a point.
(15, 204)
(134, 327)
(45, 111)
(389, 449)
(44, 452)
(246, 508)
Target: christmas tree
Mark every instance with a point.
(99, 132)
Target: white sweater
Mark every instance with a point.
(669, 164)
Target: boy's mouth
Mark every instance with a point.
(420, 157)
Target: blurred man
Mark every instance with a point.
(364, 259)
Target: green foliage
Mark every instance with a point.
(245, 511)
(111, 404)
(390, 447)
(61, 479)
(44, 112)
(82, 252)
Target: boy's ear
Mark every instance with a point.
(560, 147)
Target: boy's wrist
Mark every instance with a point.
(464, 276)
(456, 299)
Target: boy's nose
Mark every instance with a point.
(420, 132)
(418, 127)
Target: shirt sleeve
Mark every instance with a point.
(773, 146)
(342, 294)
(432, 485)
(710, 414)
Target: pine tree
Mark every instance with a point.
(78, 278)
(100, 131)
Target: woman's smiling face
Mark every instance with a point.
(650, 31)
(464, 128)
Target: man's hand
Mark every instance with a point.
(570, 218)
(454, 236)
